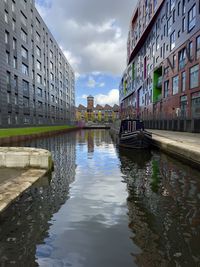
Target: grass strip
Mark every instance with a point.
(31, 130)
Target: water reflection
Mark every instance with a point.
(25, 224)
(164, 210)
(104, 207)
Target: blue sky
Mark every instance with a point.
(93, 37)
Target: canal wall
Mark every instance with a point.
(181, 145)
(25, 157)
(22, 138)
(12, 188)
(31, 164)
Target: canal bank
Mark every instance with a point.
(20, 168)
(183, 145)
(15, 135)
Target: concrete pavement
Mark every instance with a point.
(180, 144)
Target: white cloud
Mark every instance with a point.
(92, 33)
(111, 98)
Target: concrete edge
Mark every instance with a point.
(13, 189)
(179, 150)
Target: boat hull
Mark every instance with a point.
(137, 140)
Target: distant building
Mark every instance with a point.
(98, 113)
(162, 78)
(37, 81)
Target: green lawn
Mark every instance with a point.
(31, 130)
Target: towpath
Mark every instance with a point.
(181, 144)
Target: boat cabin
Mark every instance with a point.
(130, 125)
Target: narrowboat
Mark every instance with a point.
(133, 135)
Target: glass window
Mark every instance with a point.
(166, 88)
(14, 62)
(194, 76)
(13, 6)
(39, 78)
(25, 85)
(16, 99)
(15, 82)
(183, 81)
(38, 51)
(182, 58)
(183, 24)
(172, 41)
(26, 102)
(8, 97)
(39, 65)
(24, 36)
(190, 50)
(7, 57)
(169, 25)
(191, 18)
(23, 19)
(198, 47)
(6, 37)
(6, 16)
(38, 37)
(175, 85)
(8, 78)
(37, 23)
(39, 92)
(24, 69)
(24, 52)
(51, 65)
(13, 25)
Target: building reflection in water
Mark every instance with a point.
(164, 209)
(31, 214)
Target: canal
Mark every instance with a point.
(104, 207)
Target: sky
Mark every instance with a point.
(93, 36)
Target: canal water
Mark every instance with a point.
(104, 207)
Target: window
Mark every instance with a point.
(15, 82)
(190, 50)
(182, 58)
(39, 65)
(13, 25)
(51, 54)
(52, 98)
(25, 86)
(8, 78)
(51, 76)
(194, 79)
(24, 36)
(6, 37)
(16, 99)
(169, 26)
(13, 6)
(191, 18)
(38, 37)
(7, 57)
(166, 89)
(183, 81)
(24, 52)
(175, 85)
(39, 78)
(38, 51)
(172, 41)
(16, 119)
(172, 4)
(37, 23)
(14, 62)
(51, 65)
(198, 47)
(26, 119)
(183, 7)
(174, 61)
(23, 19)
(39, 92)
(24, 69)
(183, 24)
(26, 102)
(6, 16)
(8, 97)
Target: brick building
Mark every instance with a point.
(161, 81)
(36, 80)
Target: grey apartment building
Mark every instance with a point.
(37, 84)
